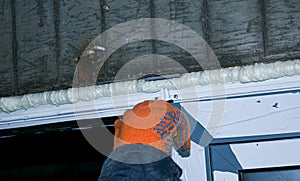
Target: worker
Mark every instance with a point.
(144, 140)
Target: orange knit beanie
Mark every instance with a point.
(155, 123)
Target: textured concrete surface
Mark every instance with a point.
(282, 27)
(7, 76)
(235, 31)
(41, 38)
(35, 37)
(78, 22)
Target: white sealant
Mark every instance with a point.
(244, 74)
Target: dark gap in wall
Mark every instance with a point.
(263, 26)
(205, 20)
(56, 9)
(15, 48)
(103, 21)
(153, 32)
(172, 10)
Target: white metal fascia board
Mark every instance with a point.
(116, 105)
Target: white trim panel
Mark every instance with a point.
(194, 166)
(266, 154)
(226, 102)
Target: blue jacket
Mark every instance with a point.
(136, 162)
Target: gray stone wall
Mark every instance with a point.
(41, 38)
(7, 71)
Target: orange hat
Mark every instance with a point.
(155, 123)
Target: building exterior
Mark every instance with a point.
(241, 94)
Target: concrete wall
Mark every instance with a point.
(41, 38)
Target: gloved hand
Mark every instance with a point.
(155, 123)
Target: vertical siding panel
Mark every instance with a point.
(79, 23)
(189, 13)
(235, 30)
(7, 80)
(36, 45)
(121, 12)
(283, 27)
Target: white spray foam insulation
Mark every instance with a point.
(244, 74)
